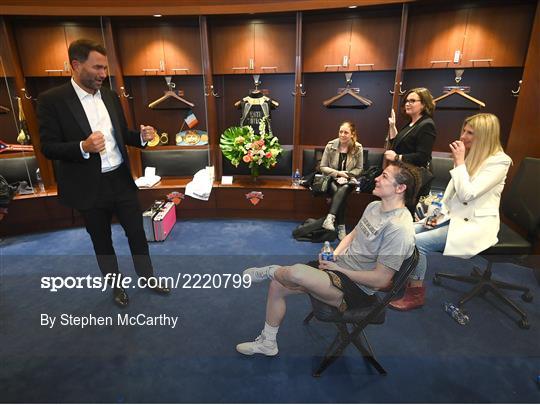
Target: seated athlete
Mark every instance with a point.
(365, 260)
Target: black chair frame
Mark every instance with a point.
(359, 319)
(522, 205)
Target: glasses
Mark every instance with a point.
(411, 101)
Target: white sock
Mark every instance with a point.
(270, 332)
(272, 269)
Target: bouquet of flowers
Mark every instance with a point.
(241, 144)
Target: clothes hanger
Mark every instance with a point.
(257, 94)
(347, 91)
(4, 110)
(459, 91)
(169, 94)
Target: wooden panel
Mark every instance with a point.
(375, 40)
(275, 48)
(273, 200)
(434, 36)
(232, 47)
(524, 140)
(140, 48)
(43, 50)
(182, 49)
(149, 7)
(326, 43)
(498, 33)
(74, 32)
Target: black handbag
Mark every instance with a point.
(320, 184)
(426, 178)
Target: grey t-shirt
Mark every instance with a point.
(381, 237)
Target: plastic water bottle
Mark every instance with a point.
(327, 252)
(40, 181)
(434, 210)
(456, 313)
(296, 178)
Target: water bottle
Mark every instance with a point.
(434, 210)
(456, 313)
(40, 181)
(327, 252)
(296, 178)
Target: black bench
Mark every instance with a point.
(16, 169)
(175, 162)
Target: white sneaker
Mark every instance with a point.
(259, 274)
(342, 232)
(259, 345)
(328, 223)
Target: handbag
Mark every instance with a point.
(320, 184)
(426, 178)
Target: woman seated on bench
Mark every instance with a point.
(469, 220)
(343, 160)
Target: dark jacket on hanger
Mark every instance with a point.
(415, 143)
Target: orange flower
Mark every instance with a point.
(268, 155)
(247, 158)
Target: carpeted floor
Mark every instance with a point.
(429, 357)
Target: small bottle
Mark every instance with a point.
(434, 210)
(296, 178)
(327, 252)
(40, 181)
(456, 313)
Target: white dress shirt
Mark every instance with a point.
(99, 120)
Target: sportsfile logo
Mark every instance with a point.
(181, 280)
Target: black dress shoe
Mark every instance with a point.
(120, 297)
(160, 290)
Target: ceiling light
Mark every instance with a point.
(158, 15)
(353, 6)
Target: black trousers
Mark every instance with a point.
(117, 196)
(339, 195)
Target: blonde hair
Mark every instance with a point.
(486, 140)
(352, 148)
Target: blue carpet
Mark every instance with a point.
(429, 357)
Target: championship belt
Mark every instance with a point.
(192, 137)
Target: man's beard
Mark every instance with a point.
(92, 84)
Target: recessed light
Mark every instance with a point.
(353, 6)
(158, 15)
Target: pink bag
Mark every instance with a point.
(164, 221)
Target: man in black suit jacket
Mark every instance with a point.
(83, 128)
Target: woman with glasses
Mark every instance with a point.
(468, 222)
(414, 142)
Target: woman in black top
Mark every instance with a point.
(414, 142)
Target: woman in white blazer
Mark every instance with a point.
(469, 219)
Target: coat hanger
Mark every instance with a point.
(256, 93)
(348, 91)
(169, 94)
(459, 90)
(4, 110)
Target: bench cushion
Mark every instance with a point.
(175, 162)
(15, 169)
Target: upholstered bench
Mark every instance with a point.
(175, 162)
(18, 168)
